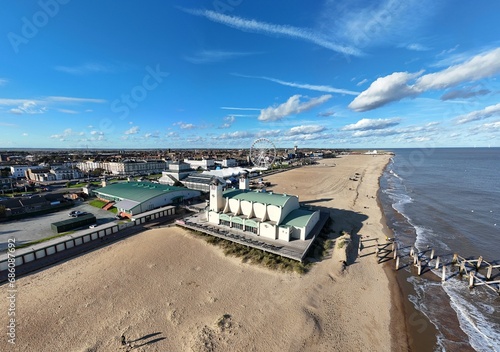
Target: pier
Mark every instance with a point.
(478, 272)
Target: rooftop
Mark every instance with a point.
(137, 191)
(298, 218)
(258, 197)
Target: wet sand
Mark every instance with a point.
(168, 290)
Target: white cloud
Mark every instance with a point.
(318, 88)
(99, 133)
(25, 134)
(305, 129)
(369, 23)
(211, 56)
(235, 135)
(384, 90)
(83, 69)
(60, 99)
(236, 108)
(416, 47)
(396, 86)
(228, 121)
(28, 107)
(478, 67)
(360, 83)
(67, 111)
(371, 124)
(133, 130)
(63, 136)
(184, 126)
(3, 81)
(152, 135)
(489, 111)
(292, 106)
(275, 30)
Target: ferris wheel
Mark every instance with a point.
(262, 152)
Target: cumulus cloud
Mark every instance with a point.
(292, 106)
(133, 130)
(236, 135)
(396, 86)
(489, 111)
(3, 81)
(184, 126)
(384, 90)
(305, 129)
(371, 124)
(478, 67)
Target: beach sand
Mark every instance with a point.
(168, 290)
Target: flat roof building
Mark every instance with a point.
(132, 198)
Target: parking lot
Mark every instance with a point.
(38, 227)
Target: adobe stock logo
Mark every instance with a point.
(31, 26)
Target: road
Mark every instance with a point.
(30, 229)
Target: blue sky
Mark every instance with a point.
(222, 73)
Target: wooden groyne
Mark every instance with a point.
(478, 272)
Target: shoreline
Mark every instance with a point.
(407, 321)
(165, 280)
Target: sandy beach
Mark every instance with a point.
(168, 290)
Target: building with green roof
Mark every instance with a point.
(131, 198)
(266, 214)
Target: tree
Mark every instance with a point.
(5, 172)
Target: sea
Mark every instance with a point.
(448, 199)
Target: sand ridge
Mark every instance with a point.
(167, 290)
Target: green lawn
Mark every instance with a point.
(99, 204)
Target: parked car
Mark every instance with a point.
(92, 226)
(77, 213)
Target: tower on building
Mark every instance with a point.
(244, 181)
(216, 199)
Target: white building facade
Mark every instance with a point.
(271, 216)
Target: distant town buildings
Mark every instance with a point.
(126, 167)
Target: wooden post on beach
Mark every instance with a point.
(443, 276)
(437, 262)
(462, 267)
(455, 259)
(397, 263)
(479, 261)
(395, 254)
(412, 252)
(488, 274)
(471, 279)
(419, 267)
(415, 259)
(432, 254)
